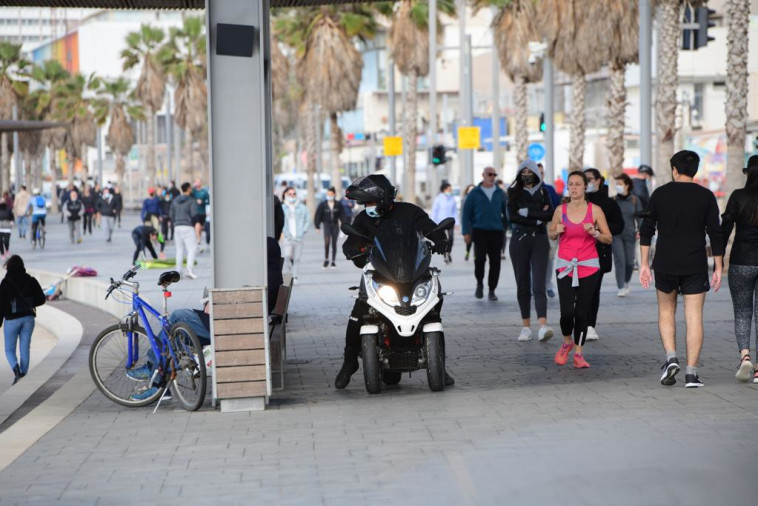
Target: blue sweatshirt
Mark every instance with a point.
(482, 213)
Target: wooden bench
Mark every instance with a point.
(239, 334)
(278, 333)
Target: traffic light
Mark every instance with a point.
(438, 155)
(687, 32)
(543, 125)
(704, 19)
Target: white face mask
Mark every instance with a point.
(330, 198)
(291, 200)
(448, 193)
(621, 189)
(591, 188)
(371, 211)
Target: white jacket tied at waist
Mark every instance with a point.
(566, 267)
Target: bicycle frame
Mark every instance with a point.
(139, 305)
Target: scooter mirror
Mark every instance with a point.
(443, 225)
(348, 229)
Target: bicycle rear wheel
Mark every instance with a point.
(42, 238)
(190, 383)
(107, 365)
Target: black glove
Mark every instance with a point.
(443, 246)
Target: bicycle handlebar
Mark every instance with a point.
(126, 277)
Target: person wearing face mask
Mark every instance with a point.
(331, 214)
(377, 194)
(296, 222)
(624, 243)
(445, 207)
(597, 193)
(529, 210)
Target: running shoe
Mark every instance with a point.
(621, 292)
(191, 275)
(143, 373)
(692, 381)
(591, 334)
(334, 266)
(545, 333)
(326, 264)
(550, 293)
(525, 335)
(563, 353)
(145, 394)
(670, 370)
(579, 362)
(744, 370)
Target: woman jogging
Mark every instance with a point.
(445, 207)
(578, 225)
(529, 211)
(624, 243)
(742, 211)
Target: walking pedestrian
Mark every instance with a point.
(202, 199)
(578, 225)
(167, 227)
(151, 210)
(624, 244)
(73, 211)
(484, 222)
(347, 207)
(742, 211)
(641, 185)
(463, 204)
(143, 237)
(6, 223)
(38, 210)
(500, 184)
(88, 201)
(20, 211)
(682, 212)
(106, 208)
(597, 193)
(296, 221)
(173, 190)
(64, 196)
(330, 214)
(184, 231)
(445, 207)
(118, 204)
(20, 294)
(555, 198)
(529, 211)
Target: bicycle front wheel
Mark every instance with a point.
(190, 382)
(42, 238)
(107, 364)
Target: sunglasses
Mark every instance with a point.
(491, 174)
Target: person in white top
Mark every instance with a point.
(296, 223)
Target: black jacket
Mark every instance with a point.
(745, 246)
(615, 220)
(278, 218)
(327, 216)
(106, 207)
(142, 233)
(539, 206)
(74, 209)
(89, 202)
(19, 284)
(165, 207)
(639, 188)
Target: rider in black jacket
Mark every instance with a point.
(377, 194)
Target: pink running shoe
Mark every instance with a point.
(579, 362)
(563, 353)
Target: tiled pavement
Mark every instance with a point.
(516, 429)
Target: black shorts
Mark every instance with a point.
(199, 218)
(688, 284)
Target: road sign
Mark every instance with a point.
(393, 146)
(536, 151)
(469, 137)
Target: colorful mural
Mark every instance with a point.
(711, 147)
(65, 50)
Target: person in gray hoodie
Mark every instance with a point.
(184, 232)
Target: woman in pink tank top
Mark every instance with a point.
(577, 225)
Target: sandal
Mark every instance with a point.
(745, 368)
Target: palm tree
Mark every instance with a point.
(577, 39)
(183, 60)
(12, 67)
(74, 106)
(738, 22)
(118, 105)
(30, 141)
(142, 49)
(409, 49)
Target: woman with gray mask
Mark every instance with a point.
(530, 209)
(624, 243)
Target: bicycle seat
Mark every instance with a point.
(166, 278)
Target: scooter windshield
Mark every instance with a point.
(400, 253)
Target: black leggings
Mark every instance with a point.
(529, 254)
(87, 222)
(5, 242)
(331, 233)
(141, 245)
(487, 244)
(575, 305)
(595, 307)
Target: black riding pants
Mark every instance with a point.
(331, 233)
(487, 244)
(575, 305)
(529, 252)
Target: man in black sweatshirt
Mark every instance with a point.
(682, 212)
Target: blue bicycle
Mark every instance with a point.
(133, 367)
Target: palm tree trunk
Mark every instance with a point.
(668, 80)
(71, 161)
(85, 162)
(738, 19)
(53, 183)
(335, 141)
(36, 181)
(188, 162)
(150, 124)
(312, 123)
(411, 118)
(120, 169)
(616, 119)
(5, 169)
(202, 142)
(521, 133)
(576, 130)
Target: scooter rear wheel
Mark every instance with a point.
(372, 369)
(435, 367)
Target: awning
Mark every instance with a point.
(25, 126)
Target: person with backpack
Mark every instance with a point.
(624, 243)
(38, 211)
(6, 222)
(73, 211)
(20, 294)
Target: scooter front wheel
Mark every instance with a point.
(372, 369)
(435, 361)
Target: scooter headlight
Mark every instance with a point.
(388, 295)
(421, 293)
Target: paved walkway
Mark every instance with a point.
(516, 429)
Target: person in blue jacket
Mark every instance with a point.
(151, 210)
(483, 222)
(296, 223)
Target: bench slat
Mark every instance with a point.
(239, 342)
(237, 326)
(242, 389)
(241, 357)
(242, 373)
(243, 310)
(236, 296)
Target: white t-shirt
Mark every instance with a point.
(292, 222)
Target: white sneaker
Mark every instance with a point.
(591, 334)
(525, 335)
(621, 292)
(545, 333)
(191, 275)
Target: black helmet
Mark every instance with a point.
(372, 188)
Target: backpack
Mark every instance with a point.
(21, 304)
(39, 201)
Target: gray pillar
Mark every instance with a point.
(496, 151)
(469, 153)
(548, 84)
(240, 95)
(391, 92)
(16, 154)
(646, 101)
(462, 96)
(100, 157)
(169, 139)
(432, 81)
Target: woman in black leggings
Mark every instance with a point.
(529, 211)
(330, 214)
(742, 210)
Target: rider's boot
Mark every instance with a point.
(348, 368)
(449, 381)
